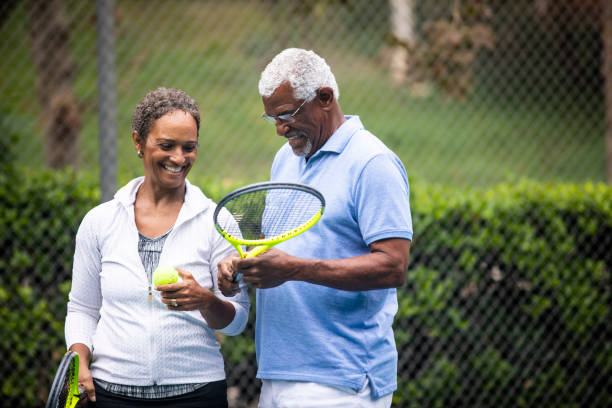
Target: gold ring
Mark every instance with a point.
(173, 303)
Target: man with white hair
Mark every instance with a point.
(326, 299)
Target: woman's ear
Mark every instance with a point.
(137, 141)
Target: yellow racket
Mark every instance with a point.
(262, 215)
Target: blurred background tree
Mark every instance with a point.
(49, 34)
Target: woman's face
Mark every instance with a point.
(170, 149)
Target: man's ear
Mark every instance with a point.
(325, 95)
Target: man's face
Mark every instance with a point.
(302, 131)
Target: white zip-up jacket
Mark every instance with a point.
(135, 340)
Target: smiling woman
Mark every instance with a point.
(145, 335)
(165, 128)
(168, 151)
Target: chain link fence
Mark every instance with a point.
(471, 95)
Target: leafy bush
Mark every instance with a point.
(506, 304)
(39, 215)
(508, 298)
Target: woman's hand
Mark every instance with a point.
(185, 295)
(226, 276)
(86, 384)
(190, 295)
(86, 381)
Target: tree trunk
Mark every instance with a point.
(402, 28)
(55, 67)
(607, 74)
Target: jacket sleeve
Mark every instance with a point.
(241, 302)
(85, 297)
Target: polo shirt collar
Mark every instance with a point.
(340, 138)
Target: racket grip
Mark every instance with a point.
(256, 251)
(237, 277)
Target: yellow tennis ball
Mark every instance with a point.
(165, 275)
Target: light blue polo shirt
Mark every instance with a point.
(307, 332)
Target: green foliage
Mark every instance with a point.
(506, 302)
(32, 332)
(39, 214)
(509, 287)
(437, 379)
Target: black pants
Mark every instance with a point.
(212, 395)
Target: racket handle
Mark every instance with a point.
(256, 251)
(253, 252)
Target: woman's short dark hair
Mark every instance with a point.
(157, 103)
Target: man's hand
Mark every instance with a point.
(383, 267)
(226, 276)
(267, 270)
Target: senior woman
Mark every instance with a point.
(153, 346)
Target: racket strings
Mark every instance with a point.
(265, 214)
(65, 391)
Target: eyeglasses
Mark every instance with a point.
(285, 118)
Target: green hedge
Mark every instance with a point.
(39, 216)
(508, 298)
(506, 304)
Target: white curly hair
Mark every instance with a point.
(304, 70)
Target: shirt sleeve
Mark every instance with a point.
(240, 301)
(85, 297)
(388, 214)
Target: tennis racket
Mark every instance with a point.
(64, 390)
(262, 215)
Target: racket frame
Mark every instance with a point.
(69, 359)
(261, 245)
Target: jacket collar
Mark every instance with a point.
(195, 201)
